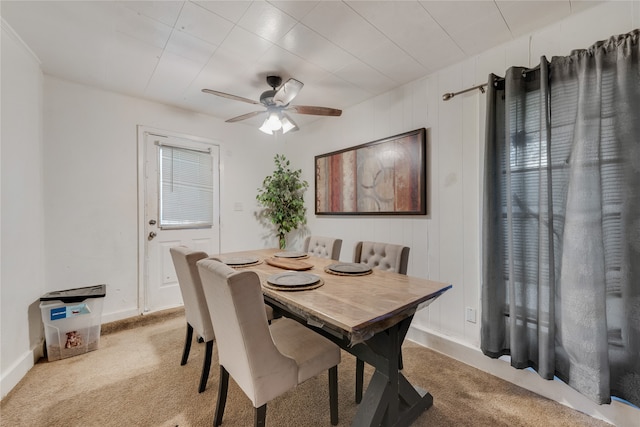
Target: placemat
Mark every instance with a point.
(239, 262)
(348, 269)
(293, 288)
(291, 254)
(245, 265)
(293, 279)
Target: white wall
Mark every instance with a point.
(70, 196)
(21, 229)
(91, 194)
(89, 218)
(445, 246)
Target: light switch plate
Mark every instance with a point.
(470, 314)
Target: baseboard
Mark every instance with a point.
(133, 313)
(616, 413)
(20, 368)
(119, 315)
(138, 320)
(110, 323)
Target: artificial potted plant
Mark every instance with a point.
(281, 196)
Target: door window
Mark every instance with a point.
(186, 188)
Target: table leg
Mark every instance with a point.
(390, 399)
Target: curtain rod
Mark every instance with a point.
(449, 95)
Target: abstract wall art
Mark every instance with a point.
(383, 177)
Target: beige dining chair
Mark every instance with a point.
(195, 306)
(381, 256)
(265, 360)
(323, 247)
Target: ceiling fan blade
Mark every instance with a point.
(227, 95)
(317, 111)
(287, 92)
(244, 116)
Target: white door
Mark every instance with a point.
(181, 207)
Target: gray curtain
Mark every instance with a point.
(561, 219)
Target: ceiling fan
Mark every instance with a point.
(277, 100)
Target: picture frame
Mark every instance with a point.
(382, 177)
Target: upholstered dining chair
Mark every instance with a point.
(195, 306)
(323, 247)
(265, 360)
(381, 256)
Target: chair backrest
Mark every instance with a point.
(195, 306)
(245, 347)
(323, 247)
(383, 256)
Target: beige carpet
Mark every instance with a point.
(135, 379)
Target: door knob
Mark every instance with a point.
(151, 235)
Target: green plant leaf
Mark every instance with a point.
(282, 197)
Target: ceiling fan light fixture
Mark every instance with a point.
(288, 125)
(265, 130)
(272, 123)
(277, 101)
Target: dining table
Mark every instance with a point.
(366, 311)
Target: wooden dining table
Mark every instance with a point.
(367, 315)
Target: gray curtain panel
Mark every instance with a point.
(561, 219)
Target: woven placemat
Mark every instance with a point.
(246, 265)
(291, 255)
(293, 288)
(337, 273)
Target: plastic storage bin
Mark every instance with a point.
(72, 320)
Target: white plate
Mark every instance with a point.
(293, 278)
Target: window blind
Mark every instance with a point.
(186, 188)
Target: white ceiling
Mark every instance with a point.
(344, 51)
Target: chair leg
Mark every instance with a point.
(333, 394)
(206, 365)
(400, 364)
(260, 416)
(359, 379)
(223, 386)
(187, 345)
